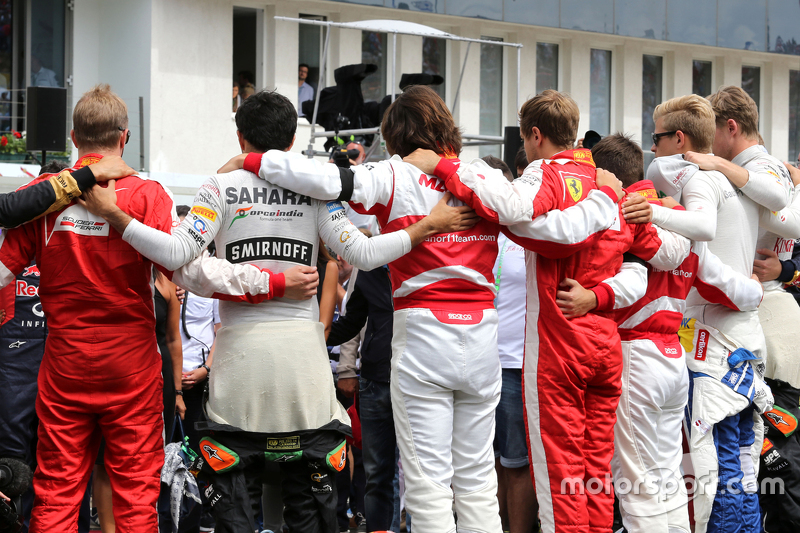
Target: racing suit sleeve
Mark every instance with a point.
(663, 249)
(362, 252)
(17, 250)
(784, 223)
(188, 239)
(770, 186)
(367, 187)
(625, 288)
(701, 197)
(720, 284)
(211, 277)
(29, 203)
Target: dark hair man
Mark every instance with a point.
(560, 346)
(304, 90)
(258, 399)
(444, 321)
(621, 156)
(521, 161)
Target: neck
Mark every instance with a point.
(300, 83)
(549, 150)
(741, 145)
(99, 151)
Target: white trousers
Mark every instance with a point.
(648, 439)
(445, 387)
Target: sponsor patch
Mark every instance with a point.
(458, 317)
(767, 446)
(283, 457)
(702, 345)
(204, 212)
(338, 457)
(200, 226)
(574, 187)
(218, 456)
(701, 426)
(782, 420)
(283, 443)
(583, 156)
(318, 477)
(344, 236)
(269, 248)
(78, 220)
(334, 207)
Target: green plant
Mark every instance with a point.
(12, 143)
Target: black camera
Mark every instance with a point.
(10, 520)
(15, 478)
(342, 156)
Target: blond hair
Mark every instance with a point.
(555, 114)
(99, 118)
(692, 115)
(733, 102)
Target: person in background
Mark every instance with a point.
(40, 76)
(304, 90)
(515, 492)
(520, 161)
(237, 99)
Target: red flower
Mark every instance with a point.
(17, 134)
(3, 141)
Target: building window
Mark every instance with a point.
(491, 112)
(751, 83)
(311, 42)
(600, 92)
(373, 50)
(794, 114)
(244, 54)
(701, 78)
(652, 84)
(546, 67)
(434, 61)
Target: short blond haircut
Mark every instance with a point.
(99, 118)
(555, 114)
(692, 115)
(733, 102)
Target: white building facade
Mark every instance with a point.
(617, 58)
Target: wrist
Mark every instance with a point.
(604, 297)
(178, 393)
(208, 369)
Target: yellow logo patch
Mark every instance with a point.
(686, 335)
(204, 212)
(284, 443)
(575, 188)
(767, 446)
(583, 156)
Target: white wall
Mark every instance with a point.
(111, 45)
(191, 58)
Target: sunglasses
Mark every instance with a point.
(128, 136)
(657, 136)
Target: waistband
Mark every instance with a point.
(478, 304)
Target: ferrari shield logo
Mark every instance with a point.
(575, 188)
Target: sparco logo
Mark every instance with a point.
(671, 351)
(269, 248)
(458, 316)
(702, 345)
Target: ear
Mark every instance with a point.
(537, 135)
(733, 127)
(241, 140)
(681, 138)
(122, 137)
(72, 136)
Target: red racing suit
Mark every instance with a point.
(572, 368)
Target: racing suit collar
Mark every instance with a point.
(88, 159)
(582, 156)
(670, 174)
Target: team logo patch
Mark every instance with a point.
(283, 443)
(76, 219)
(334, 206)
(204, 212)
(686, 335)
(583, 156)
(218, 456)
(338, 457)
(702, 345)
(782, 420)
(240, 213)
(575, 188)
(283, 457)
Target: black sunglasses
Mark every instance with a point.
(657, 136)
(128, 136)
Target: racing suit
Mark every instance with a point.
(723, 426)
(271, 390)
(573, 365)
(445, 379)
(655, 385)
(101, 370)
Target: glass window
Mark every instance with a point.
(491, 112)
(434, 60)
(244, 54)
(600, 92)
(701, 78)
(541, 13)
(485, 9)
(699, 28)
(641, 18)
(652, 84)
(311, 43)
(751, 83)
(794, 114)
(546, 66)
(783, 32)
(428, 6)
(742, 24)
(597, 15)
(47, 43)
(373, 50)
(363, 2)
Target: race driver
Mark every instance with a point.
(445, 379)
(101, 371)
(271, 393)
(571, 374)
